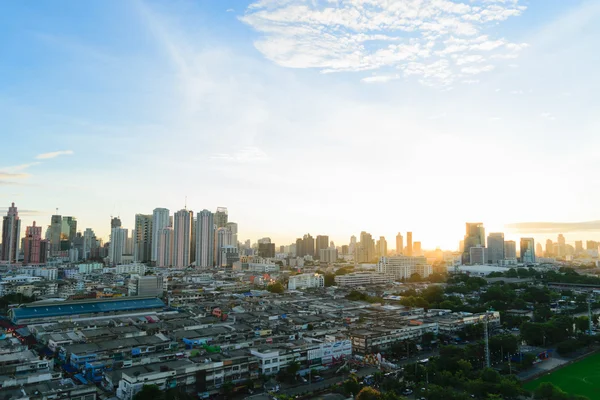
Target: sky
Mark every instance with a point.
(305, 116)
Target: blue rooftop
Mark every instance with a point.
(83, 307)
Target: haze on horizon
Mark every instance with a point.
(305, 116)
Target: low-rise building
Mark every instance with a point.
(362, 279)
(306, 281)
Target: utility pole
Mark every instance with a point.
(487, 341)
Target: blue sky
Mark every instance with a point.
(323, 116)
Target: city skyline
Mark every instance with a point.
(397, 118)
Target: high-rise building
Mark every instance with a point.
(34, 248)
(549, 248)
(409, 244)
(345, 250)
(365, 249)
(403, 267)
(89, 243)
(308, 245)
(477, 255)
(116, 249)
(510, 250)
(539, 251)
(578, 246)
(352, 245)
(142, 238)
(205, 239)
(474, 236)
(54, 233)
(329, 255)
(399, 244)
(562, 246)
(591, 245)
(417, 249)
(266, 250)
(321, 242)
(182, 233)
(382, 249)
(224, 238)
(193, 239)
(221, 217)
(146, 286)
(164, 256)
(527, 250)
(495, 247)
(115, 222)
(11, 235)
(69, 228)
(233, 227)
(160, 221)
(299, 248)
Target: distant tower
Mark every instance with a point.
(11, 235)
(160, 221)
(205, 239)
(182, 233)
(409, 244)
(221, 217)
(399, 244)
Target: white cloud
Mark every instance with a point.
(476, 70)
(54, 154)
(364, 35)
(243, 156)
(548, 116)
(12, 175)
(379, 78)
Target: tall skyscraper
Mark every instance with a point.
(89, 243)
(34, 248)
(382, 247)
(115, 222)
(221, 217)
(118, 242)
(322, 242)
(164, 257)
(142, 238)
(578, 246)
(224, 238)
(54, 233)
(160, 221)
(182, 233)
(527, 253)
(193, 239)
(308, 243)
(539, 251)
(399, 244)
(205, 239)
(266, 250)
(495, 249)
(409, 244)
(365, 249)
(475, 236)
(562, 246)
(233, 227)
(299, 248)
(11, 235)
(510, 250)
(549, 248)
(417, 250)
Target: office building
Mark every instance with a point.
(11, 235)
(142, 238)
(54, 233)
(160, 221)
(221, 217)
(409, 244)
(345, 250)
(228, 255)
(329, 255)
(182, 233)
(549, 248)
(578, 246)
(362, 279)
(115, 222)
(223, 238)
(477, 255)
(308, 243)
(321, 242)
(164, 255)
(403, 267)
(365, 249)
(116, 249)
(193, 239)
(266, 250)
(233, 227)
(306, 281)
(510, 250)
(34, 248)
(382, 247)
(562, 246)
(417, 250)
(205, 239)
(399, 244)
(495, 247)
(527, 250)
(89, 243)
(69, 228)
(146, 286)
(475, 236)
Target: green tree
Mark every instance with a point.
(149, 392)
(368, 393)
(276, 287)
(329, 280)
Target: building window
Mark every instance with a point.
(267, 362)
